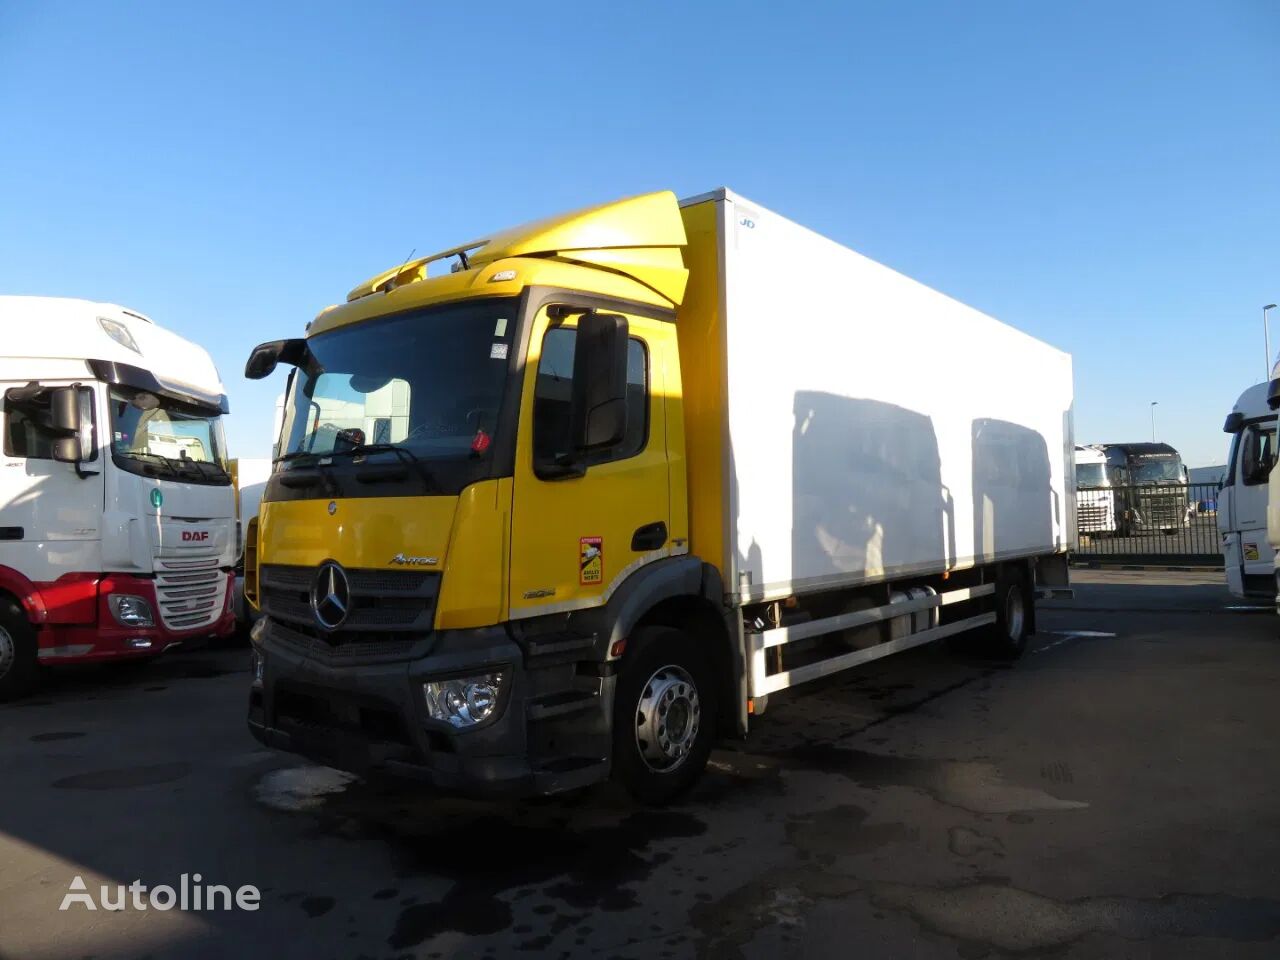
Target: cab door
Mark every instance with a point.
(50, 512)
(574, 538)
(1257, 455)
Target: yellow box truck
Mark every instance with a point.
(579, 504)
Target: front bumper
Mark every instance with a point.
(551, 732)
(102, 638)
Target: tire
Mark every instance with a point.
(1007, 637)
(664, 715)
(18, 666)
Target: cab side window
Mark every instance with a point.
(553, 392)
(1257, 453)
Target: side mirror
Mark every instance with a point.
(598, 407)
(262, 362)
(64, 414)
(1234, 422)
(265, 356)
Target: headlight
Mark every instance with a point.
(130, 611)
(463, 701)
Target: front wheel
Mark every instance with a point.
(17, 652)
(664, 715)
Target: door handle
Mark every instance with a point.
(649, 537)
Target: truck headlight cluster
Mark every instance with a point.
(464, 701)
(130, 611)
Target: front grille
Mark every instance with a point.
(1163, 511)
(191, 593)
(384, 604)
(311, 642)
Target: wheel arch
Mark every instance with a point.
(24, 593)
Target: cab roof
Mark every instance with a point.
(639, 237)
(66, 328)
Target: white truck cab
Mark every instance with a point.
(1095, 498)
(1242, 502)
(117, 512)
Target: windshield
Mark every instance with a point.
(166, 438)
(429, 382)
(1091, 474)
(1153, 471)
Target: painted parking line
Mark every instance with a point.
(1067, 635)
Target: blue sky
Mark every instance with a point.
(1104, 176)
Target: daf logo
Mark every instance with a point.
(330, 595)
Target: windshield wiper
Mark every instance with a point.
(214, 471)
(402, 453)
(150, 459)
(294, 455)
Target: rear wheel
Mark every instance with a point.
(664, 715)
(17, 651)
(1007, 637)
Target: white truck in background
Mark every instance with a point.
(117, 513)
(1247, 555)
(1095, 498)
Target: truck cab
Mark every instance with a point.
(1095, 496)
(1242, 501)
(118, 514)
(1155, 492)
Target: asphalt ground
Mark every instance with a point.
(1113, 794)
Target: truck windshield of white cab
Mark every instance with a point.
(1091, 475)
(161, 437)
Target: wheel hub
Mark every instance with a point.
(8, 651)
(667, 718)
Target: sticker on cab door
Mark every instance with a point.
(1251, 551)
(591, 559)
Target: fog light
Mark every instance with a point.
(130, 611)
(138, 643)
(463, 701)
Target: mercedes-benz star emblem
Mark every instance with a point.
(333, 507)
(330, 595)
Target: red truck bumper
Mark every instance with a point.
(79, 626)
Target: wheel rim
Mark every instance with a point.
(8, 651)
(667, 719)
(1014, 613)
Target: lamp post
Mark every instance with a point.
(1266, 337)
(1154, 404)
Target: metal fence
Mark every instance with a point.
(1170, 523)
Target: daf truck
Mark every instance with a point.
(117, 513)
(1248, 557)
(1095, 495)
(571, 501)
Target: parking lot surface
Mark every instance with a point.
(1112, 794)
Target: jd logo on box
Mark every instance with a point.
(194, 535)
